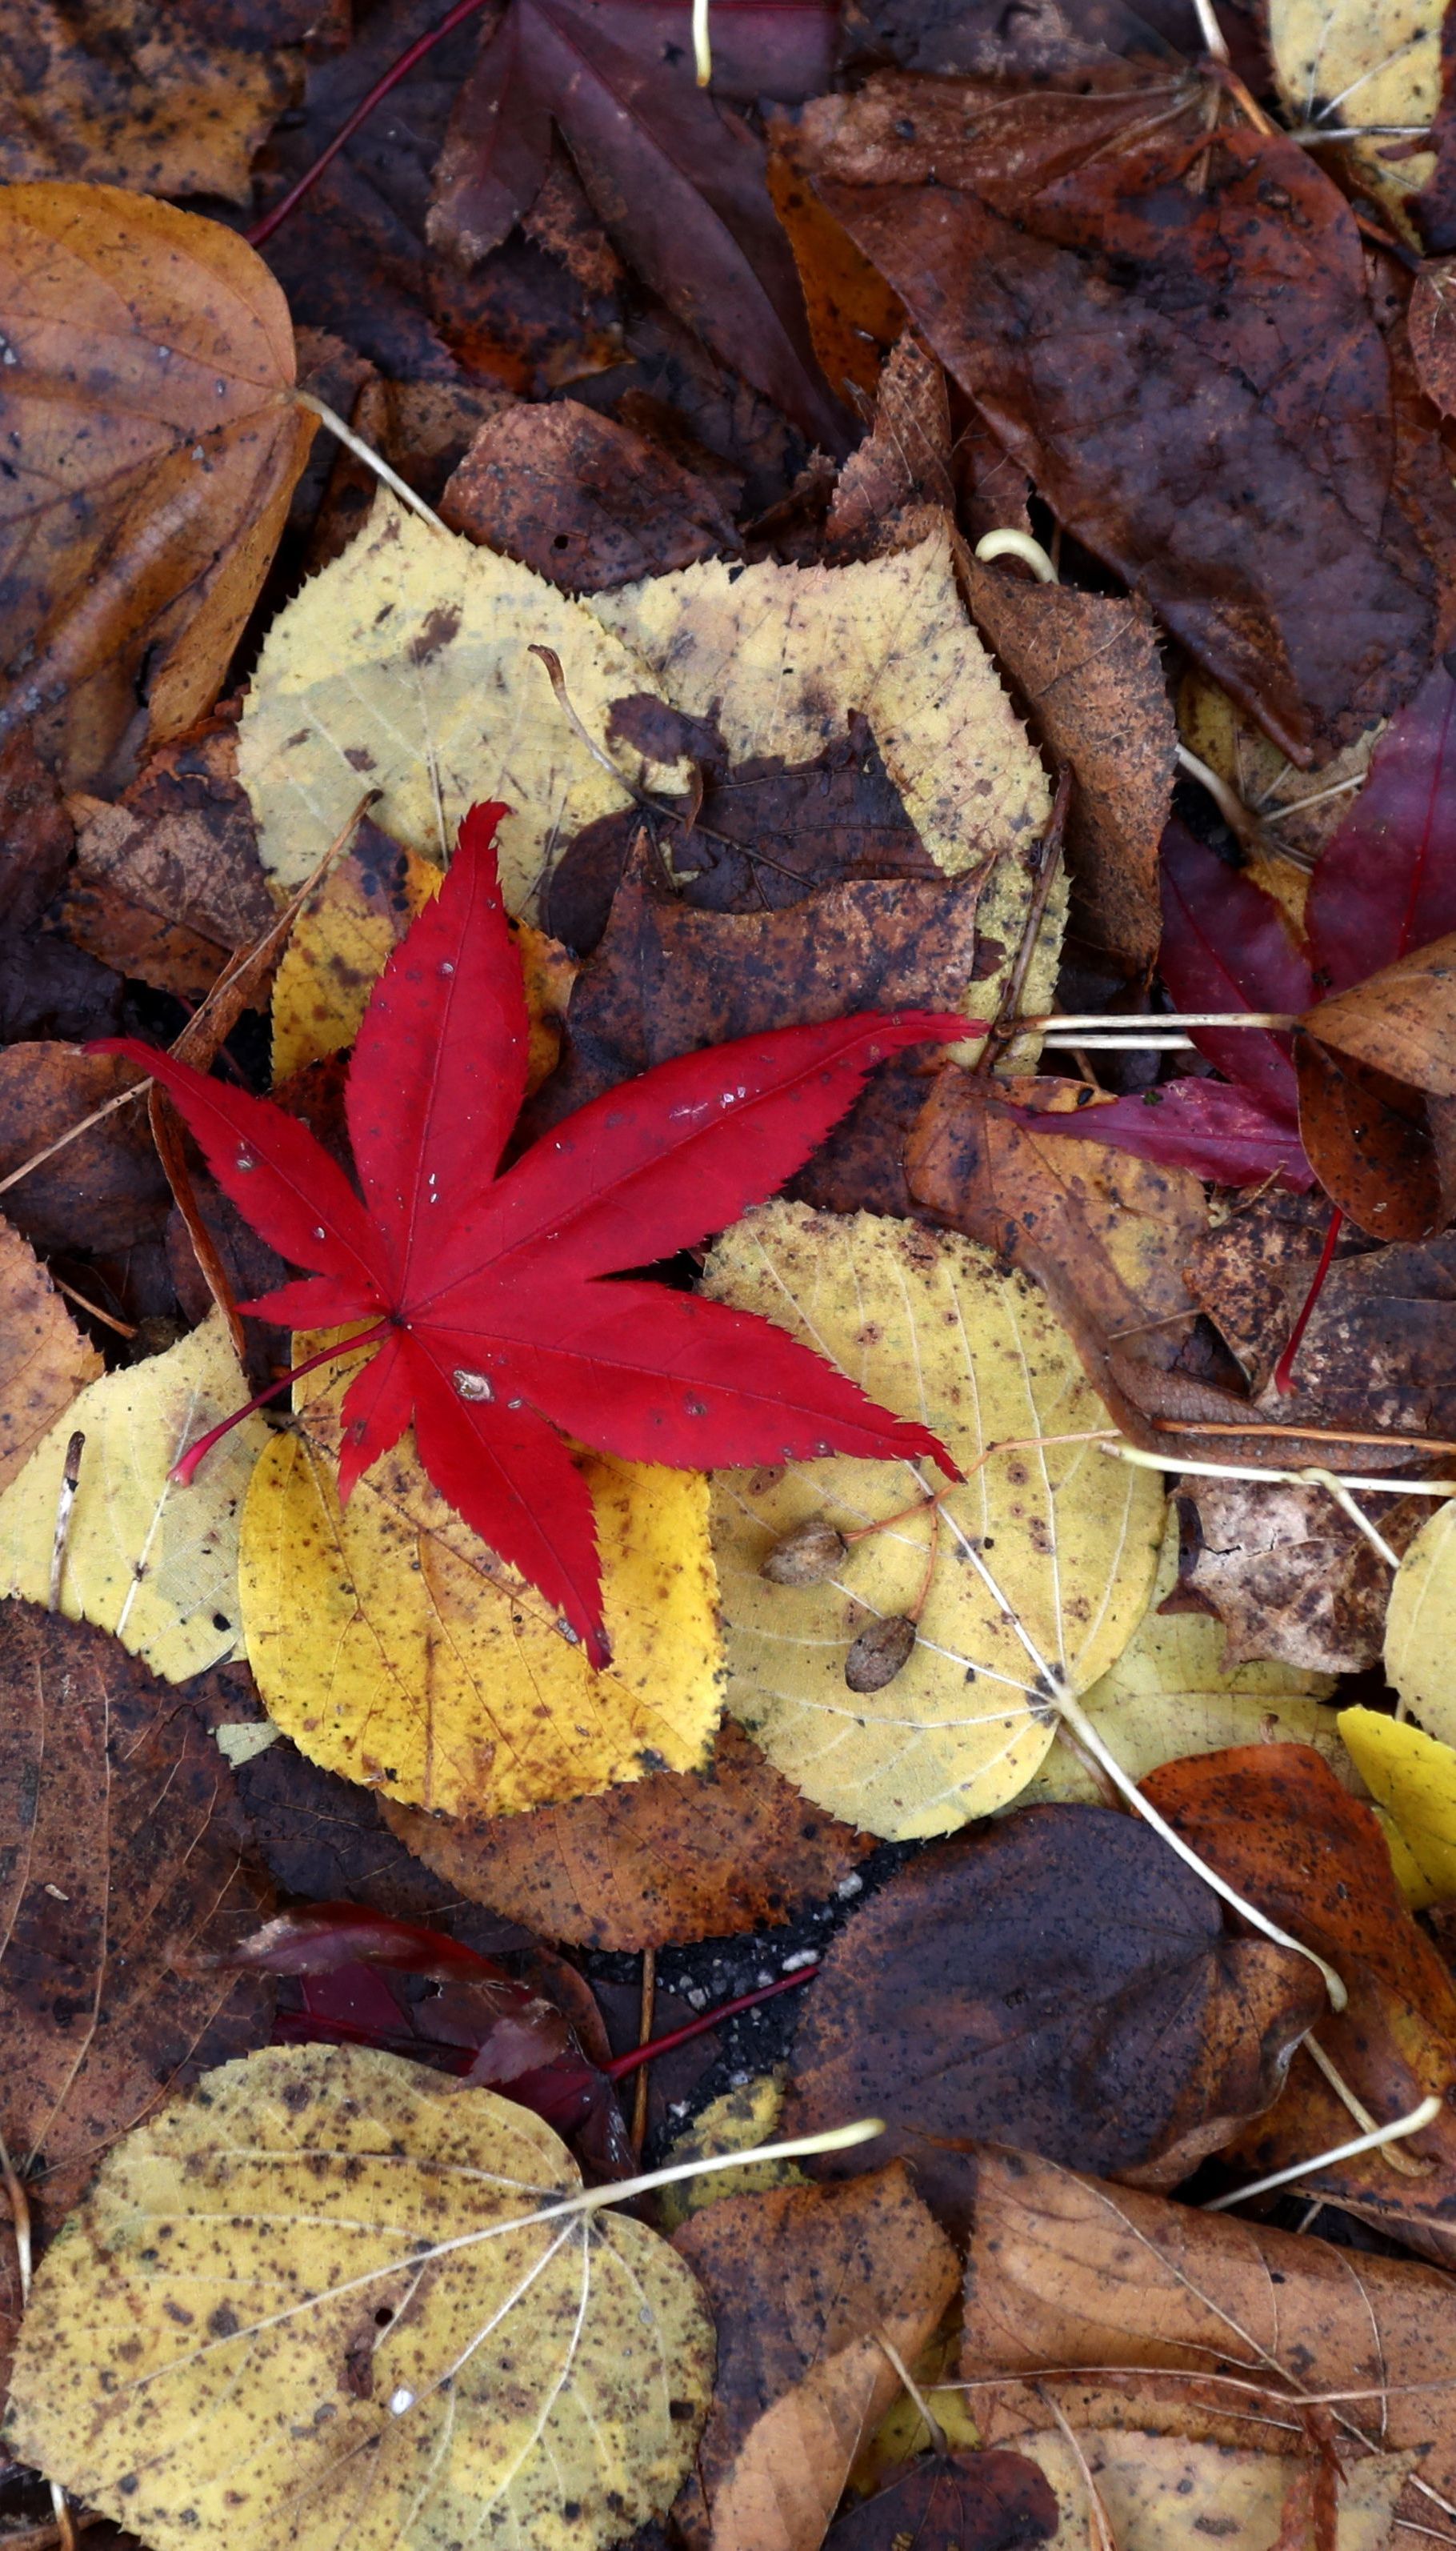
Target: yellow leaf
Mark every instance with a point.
(1360, 64)
(404, 666)
(783, 656)
(324, 2299)
(737, 2120)
(1420, 1625)
(1412, 1777)
(1170, 1695)
(341, 943)
(154, 1563)
(43, 1358)
(1045, 1558)
(394, 1647)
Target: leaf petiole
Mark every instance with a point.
(185, 1468)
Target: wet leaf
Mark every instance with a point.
(673, 1857)
(800, 2281)
(125, 1874)
(1060, 1982)
(142, 543)
(103, 1190)
(154, 1563)
(584, 501)
(552, 2371)
(953, 2502)
(392, 1645)
(904, 465)
(1117, 391)
(43, 1358)
(1044, 1558)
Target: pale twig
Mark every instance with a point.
(1296, 1434)
(702, 44)
(1403, 2164)
(108, 1319)
(647, 2008)
(1232, 807)
(69, 1481)
(1410, 2124)
(1101, 2521)
(1171, 1461)
(1059, 1022)
(1210, 31)
(372, 460)
(1021, 545)
(1329, 1480)
(933, 2428)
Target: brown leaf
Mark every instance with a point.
(1089, 670)
(678, 1856)
(855, 319)
(1058, 1981)
(1370, 1144)
(125, 1874)
(1044, 36)
(102, 1192)
(1380, 1350)
(168, 882)
(588, 504)
(1251, 1274)
(44, 1359)
(903, 464)
(1430, 317)
(799, 2283)
(953, 2502)
(1287, 1573)
(1151, 315)
(1104, 1233)
(36, 834)
(1401, 1021)
(136, 94)
(1274, 1820)
(141, 544)
(1065, 2271)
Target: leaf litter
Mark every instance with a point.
(699, 402)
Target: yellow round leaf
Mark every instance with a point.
(1412, 1777)
(393, 1646)
(1420, 1625)
(1044, 1560)
(325, 2299)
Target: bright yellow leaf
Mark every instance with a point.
(1420, 1625)
(1044, 1561)
(404, 666)
(394, 1647)
(325, 2299)
(1412, 1777)
(154, 1563)
(1170, 1695)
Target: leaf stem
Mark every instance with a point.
(1171, 1461)
(621, 2066)
(185, 1468)
(411, 54)
(371, 459)
(1411, 2124)
(1284, 1370)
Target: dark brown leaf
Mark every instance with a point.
(953, 2502)
(1380, 1350)
(1251, 1274)
(587, 503)
(1060, 1982)
(1369, 1143)
(102, 1192)
(122, 1874)
(678, 1856)
(36, 833)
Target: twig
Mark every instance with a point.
(366, 453)
(1410, 2124)
(702, 44)
(1006, 1027)
(69, 1481)
(648, 2009)
(1400, 2163)
(109, 1320)
(1171, 1461)
(1013, 543)
(1296, 1434)
(933, 2428)
(1101, 2521)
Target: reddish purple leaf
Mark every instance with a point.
(1227, 946)
(1385, 881)
(1232, 1136)
(322, 1939)
(484, 1296)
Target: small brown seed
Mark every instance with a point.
(806, 1555)
(879, 1653)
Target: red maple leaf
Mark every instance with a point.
(496, 1303)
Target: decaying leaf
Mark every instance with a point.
(674, 1855)
(338, 946)
(800, 2282)
(1411, 1776)
(1061, 1982)
(1172, 2492)
(369, 2313)
(128, 93)
(392, 1645)
(1363, 69)
(152, 1562)
(1172, 1693)
(143, 541)
(1288, 1574)
(965, 2501)
(123, 1878)
(737, 2120)
(583, 500)
(103, 1190)
(1370, 1142)
(1420, 1625)
(1042, 1563)
(43, 1358)
(1402, 1020)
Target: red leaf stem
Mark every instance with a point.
(186, 1466)
(1284, 1370)
(622, 2065)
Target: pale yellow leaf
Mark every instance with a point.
(1179, 2492)
(394, 1647)
(1045, 1558)
(1363, 64)
(404, 666)
(316, 2302)
(1420, 1625)
(339, 944)
(1170, 1695)
(43, 1358)
(153, 1562)
(1412, 1777)
(782, 658)
(737, 2120)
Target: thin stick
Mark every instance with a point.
(37, 1160)
(1237, 815)
(1400, 2163)
(108, 1319)
(20, 2217)
(933, 2428)
(1102, 2522)
(1006, 1027)
(701, 44)
(69, 1481)
(1077, 1718)
(1170, 1461)
(1021, 545)
(414, 54)
(1337, 1489)
(647, 2010)
(366, 453)
(1294, 1434)
(1411, 2124)
(1058, 1021)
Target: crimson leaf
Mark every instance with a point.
(484, 1294)
(1385, 881)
